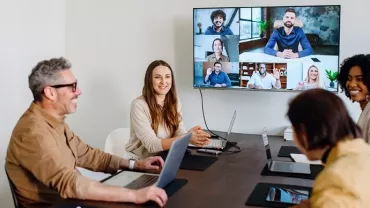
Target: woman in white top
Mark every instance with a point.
(312, 79)
(354, 80)
(156, 116)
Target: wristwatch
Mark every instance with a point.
(131, 164)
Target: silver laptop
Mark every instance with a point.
(220, 143)
(283, 166)
(137, 180)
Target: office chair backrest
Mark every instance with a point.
(12, 189)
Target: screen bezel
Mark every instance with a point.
(262, 90)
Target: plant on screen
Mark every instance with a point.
(263, 27)
(332, 76)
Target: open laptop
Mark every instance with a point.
(137, 180)
(219, 143)
(283, 166)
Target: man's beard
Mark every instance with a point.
(215, 24)
(262, 73)
(288, 25)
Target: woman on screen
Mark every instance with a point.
(323, 130)
(217, 47)
(156, 116)
(312, 79)
(354, 80)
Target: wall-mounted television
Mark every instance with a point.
(281, 48)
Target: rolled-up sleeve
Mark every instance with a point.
(95, 159)
(141, 123)
(40, 155)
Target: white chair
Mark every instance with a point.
(115, 145)
(116, 141)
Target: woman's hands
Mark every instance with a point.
(199, 137)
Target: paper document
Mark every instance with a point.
(301, 158)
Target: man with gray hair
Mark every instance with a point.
(43, 152)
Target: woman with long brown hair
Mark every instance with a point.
(156, 119)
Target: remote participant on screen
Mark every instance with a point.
(217, 47)
(288, 39)
(264, 80)
(312, 79)
(218, 18)
(217, 77)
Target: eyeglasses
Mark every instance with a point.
(73, 85)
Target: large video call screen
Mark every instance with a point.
(267, 48)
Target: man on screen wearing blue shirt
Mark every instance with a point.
(216, 77)
(288, 39)
(218, 18)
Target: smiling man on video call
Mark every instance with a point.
(264, 80)
(218, 18)
(217, 77)
(288, 39)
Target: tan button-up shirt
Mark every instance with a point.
(42, 157)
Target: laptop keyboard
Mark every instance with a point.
(142, 181)
(215, 143)
(282, 166)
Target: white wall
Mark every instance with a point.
(30, 31)
(111, 43)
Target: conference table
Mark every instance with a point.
(226, 183)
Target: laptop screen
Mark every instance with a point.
(266, 143)
(173, 160)
(231, 124)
